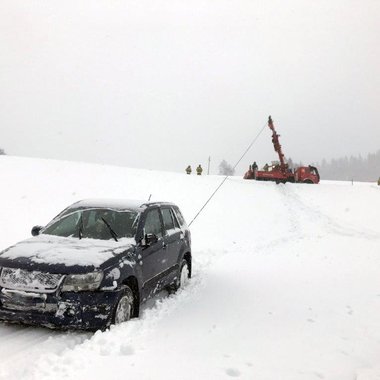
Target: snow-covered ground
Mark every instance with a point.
(286, 280)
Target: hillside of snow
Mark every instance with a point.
(286, 281)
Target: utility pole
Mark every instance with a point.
(208, 166)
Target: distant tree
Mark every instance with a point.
(2, 152)
(225, 168)
(353, 168)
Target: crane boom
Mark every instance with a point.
(277, 145)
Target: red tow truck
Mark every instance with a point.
(280, 172)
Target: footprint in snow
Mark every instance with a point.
(126, 350)
(104, 351)
(233, 372)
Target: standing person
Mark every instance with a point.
(266, 167)
(254, 169)
(199, 169)
(378, 182)
(188, 169)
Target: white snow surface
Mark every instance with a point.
(286, 281)
(51, 249)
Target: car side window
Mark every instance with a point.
(168, 219)
(179, 217)
(176, 223)
(153, 223)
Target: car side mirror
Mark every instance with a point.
(149, 239)
(36, 230)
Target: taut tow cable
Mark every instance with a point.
(225, 178)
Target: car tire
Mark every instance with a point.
(183, 276)
(124, 307)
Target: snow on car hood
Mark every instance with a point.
(50, 249)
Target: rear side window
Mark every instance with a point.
(180, 217)
(176, 223)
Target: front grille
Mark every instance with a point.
(26, 301)
(21, 279)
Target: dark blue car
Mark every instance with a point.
(94, 264)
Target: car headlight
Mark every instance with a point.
(82, 282)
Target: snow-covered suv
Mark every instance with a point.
(94, 264)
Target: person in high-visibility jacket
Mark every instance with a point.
(199, 169)
(188, 170)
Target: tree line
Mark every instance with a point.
(350, 168)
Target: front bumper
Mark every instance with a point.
(69, 310)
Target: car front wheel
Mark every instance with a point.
(124, 308)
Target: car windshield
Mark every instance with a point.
(95, 223)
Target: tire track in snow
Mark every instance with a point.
(302, 217)
(12, 334)
(329, 224)
(294, 231)
(26, 344)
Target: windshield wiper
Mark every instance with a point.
(112, 232)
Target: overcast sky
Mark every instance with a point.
(162, 84)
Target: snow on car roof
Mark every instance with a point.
(121, 204)
(118, 204)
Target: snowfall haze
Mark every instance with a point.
(162, 84)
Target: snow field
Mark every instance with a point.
(286, 280)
